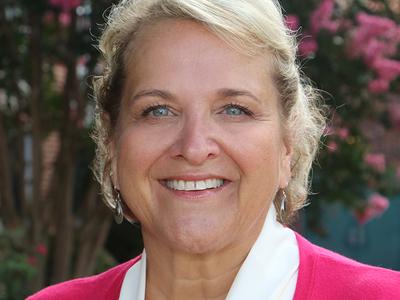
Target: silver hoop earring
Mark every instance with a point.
(283, 200)
(118, 214)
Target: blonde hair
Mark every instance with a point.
(253, 27)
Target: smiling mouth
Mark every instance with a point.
(197, 185)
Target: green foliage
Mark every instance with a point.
(17, 266)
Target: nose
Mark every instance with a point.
(196, 141)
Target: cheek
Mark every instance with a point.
(256, 150)
(138, 150)
(258, 157)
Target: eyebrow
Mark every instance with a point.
(153, 93)
(227, 93)
(223, 93)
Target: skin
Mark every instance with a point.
(196, 241)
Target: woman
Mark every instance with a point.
(206, 134)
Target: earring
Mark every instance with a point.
(283, 201)
(118, 214)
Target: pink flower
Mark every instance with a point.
(374, 37)
(332, 146)
(376, 48)
(308, 46)
(377, 25)
(66, 5)
(377, 86)
(343, 133)
(386, 68)
(41, 249)
(376, 206)
(376, 161)
(292, 22)
(321, 18)
(64, 18)
(378, 203)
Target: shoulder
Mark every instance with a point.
(328, 274)
(105, 285)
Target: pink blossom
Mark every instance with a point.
(378, 203)
(376, 161)
(377, 48)
(64, 18)
(332, 147)
(376, 206)
(308, 46)
(374, 37)
(375, 24)
(292, 22)
(343, 133)
(386, 68)
(321, 18)
(377, 86)
(41, 249)
(66, 5)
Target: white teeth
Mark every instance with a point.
(199, 185)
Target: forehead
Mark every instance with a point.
(170, 51)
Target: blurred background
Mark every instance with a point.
(53, 224)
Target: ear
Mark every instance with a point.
(285, 163)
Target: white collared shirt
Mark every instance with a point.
(269, 271)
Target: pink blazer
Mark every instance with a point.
(323, 274)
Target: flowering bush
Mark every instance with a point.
(18, 265)
(351, 49)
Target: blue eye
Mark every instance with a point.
(233, 111)
(236, 110)
(157, 111)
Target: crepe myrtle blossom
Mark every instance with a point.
(66, 5)
(376, 160)
(343, 133)
(385, 68)
(292, 22)
(376, 40)
(376, 206)
(321, 18)
(377, 86)
(373, 33)
(308, 46)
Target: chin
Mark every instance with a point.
(199, 236)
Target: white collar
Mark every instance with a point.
(269, 271)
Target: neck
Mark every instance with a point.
(172, 274)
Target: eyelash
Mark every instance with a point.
(245, 109)
(152, 107)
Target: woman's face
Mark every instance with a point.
(199, 152)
